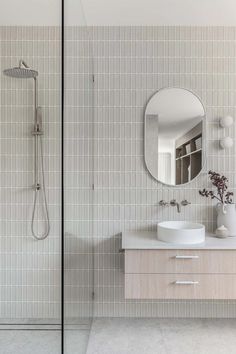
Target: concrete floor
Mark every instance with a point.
(128, 336)
(30, 340)
(162, 336)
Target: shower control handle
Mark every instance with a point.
(39, 124)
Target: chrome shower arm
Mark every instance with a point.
(22, 63)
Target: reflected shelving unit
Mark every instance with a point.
(188, 155)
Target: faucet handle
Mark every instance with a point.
(163, 203)
(185, 202)
(173, 202)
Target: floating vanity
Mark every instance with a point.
(159, 270)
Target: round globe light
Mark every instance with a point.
(226, 121)
(226, 142)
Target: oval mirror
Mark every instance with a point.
(174, 136)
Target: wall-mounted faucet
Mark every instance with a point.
(174, 203)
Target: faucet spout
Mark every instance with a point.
(174, 203)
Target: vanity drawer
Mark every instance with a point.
(180, 261)
(181, 286)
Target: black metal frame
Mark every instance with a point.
(62, 175)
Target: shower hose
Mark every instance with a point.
(38, 150)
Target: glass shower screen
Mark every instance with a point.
(78, 180)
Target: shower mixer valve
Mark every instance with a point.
(37, 187)
(38, 125)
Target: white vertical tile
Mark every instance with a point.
(131, 63)
(30, 270)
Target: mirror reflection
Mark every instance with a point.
(174, 136)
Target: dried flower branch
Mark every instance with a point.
(221, 184)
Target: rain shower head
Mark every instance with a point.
(21, 72)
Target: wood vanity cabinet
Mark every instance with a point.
(180, 274)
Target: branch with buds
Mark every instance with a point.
(221, 184)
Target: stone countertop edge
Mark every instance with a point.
(147, 240)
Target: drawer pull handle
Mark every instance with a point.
(186, 257)
(186, 282)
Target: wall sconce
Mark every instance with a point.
(226, 142)
(226, 122)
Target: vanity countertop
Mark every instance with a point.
(138, 240)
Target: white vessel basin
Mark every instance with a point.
(181, 232)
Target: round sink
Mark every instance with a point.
(181, 232)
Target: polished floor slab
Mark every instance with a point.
(162, 336)
(76, 341)
(30, 341)
(48, 341)
(127, 336)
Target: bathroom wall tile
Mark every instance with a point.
(30, 270)
(131, 63)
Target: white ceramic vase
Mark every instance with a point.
(226, 215)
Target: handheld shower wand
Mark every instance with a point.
(24, 72)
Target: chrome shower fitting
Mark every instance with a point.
(38, 125)
(24, 72)
(21, 72)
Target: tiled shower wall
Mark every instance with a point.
(131, 63)
(29, 269)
